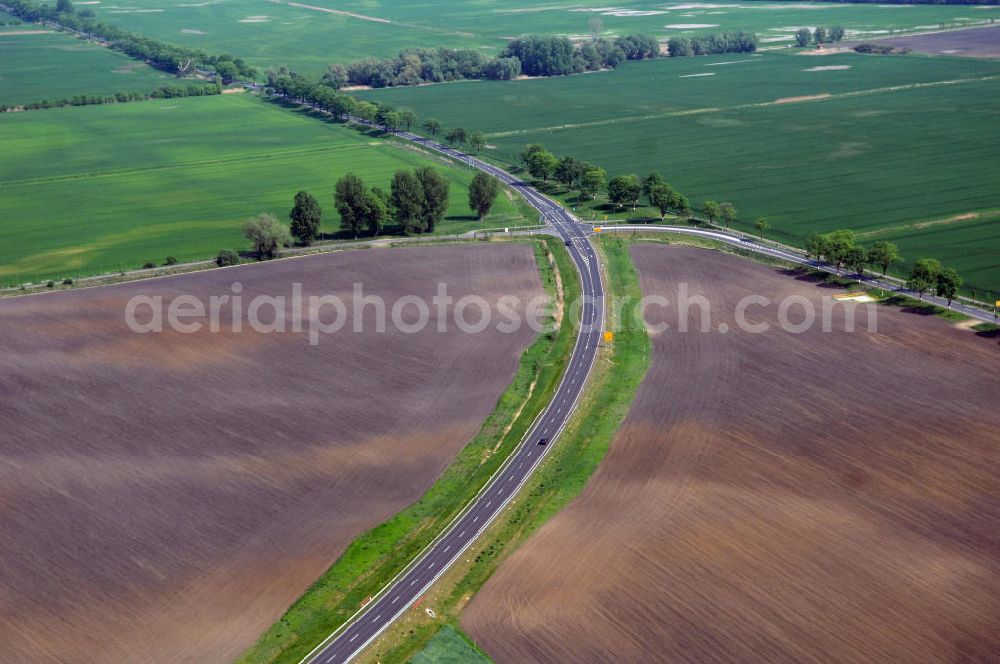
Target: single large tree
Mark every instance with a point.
(838, 247)
(924, 275)
(819, 34)
(803, 37)
(711, 210)
(815, 246)
(624, 189)
(267, 234)
(728, 213)
(407, 201)
(762, 224)
(435, 197)
(569, 171)
(349, 199)
(542, 164)
(948, 283)
(407, 118)
(457, 136)
(477, 141)
(883, 254)
(593, 181)
(662, 197)
(681, 204)
(483, 192)
(375, 210)
(366, 111)
(649, 182)
(306, 217)
(856, 259)
(432, 126)
(528, 150)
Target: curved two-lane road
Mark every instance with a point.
(409, 585)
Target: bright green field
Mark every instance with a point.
(54, 66)
(100, 188)
(307, 38)
(898, 140)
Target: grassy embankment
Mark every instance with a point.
(617, 374)
(378, 555)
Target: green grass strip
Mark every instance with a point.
(375, 557)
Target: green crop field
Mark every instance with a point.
(101, 188)
(892, 141)
(309, 35)
(37, 65)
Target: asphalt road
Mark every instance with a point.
(411, 584)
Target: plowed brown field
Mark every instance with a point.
(164, 497)
(776, 497)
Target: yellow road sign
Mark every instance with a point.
(597, 229)
(609, 336)
(997, 304)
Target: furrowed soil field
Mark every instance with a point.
(975, 42)
(165, 497)
(309, 35)
(38, 65)
(812, 143)
(774, 497)
(101, 188)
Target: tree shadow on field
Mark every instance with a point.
(910, 306)
(989, 333)
(817, 278)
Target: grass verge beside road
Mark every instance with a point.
(374, 558)
(575, 456)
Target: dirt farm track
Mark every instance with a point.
(775, 497)
(164, 497)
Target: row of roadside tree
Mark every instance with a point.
(841, 249)
(416, 201)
